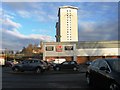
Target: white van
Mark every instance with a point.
(60, 60)
(2, 61)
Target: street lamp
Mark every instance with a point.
(105, 55)
(5, 54)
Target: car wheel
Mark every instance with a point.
(113, 86)
(16, 69)
(57, 68)
(38, 70)
(75, 69)
(89, 81)
(10, 65)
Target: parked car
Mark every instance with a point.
(66, 65)
(10, 63)
(30, 65)
(48, 65)
(104, 73)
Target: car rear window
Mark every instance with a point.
(115, 65)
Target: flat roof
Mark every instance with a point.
(89, 44)
(68, 7)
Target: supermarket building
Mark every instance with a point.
(80, 51)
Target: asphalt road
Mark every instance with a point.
(66, 80)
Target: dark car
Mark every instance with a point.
(104, 73)
(30, 65)
(66, 65)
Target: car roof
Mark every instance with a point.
(112, 58)
(106, 59)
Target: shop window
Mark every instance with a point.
(68, 47)
(49, 48)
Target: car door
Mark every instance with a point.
(32, 64)
(65, 65)
(94, 72)
(25, 65)
(103, 73)
(72, 64)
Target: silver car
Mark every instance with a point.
(30, 65)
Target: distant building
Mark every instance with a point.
(67, 25)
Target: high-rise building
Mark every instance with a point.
(67, 25)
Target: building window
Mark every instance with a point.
(49, 48)
(68, 47)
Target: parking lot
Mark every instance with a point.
(48, 80)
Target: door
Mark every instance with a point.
(65, 65)
(25, 65)
(104, 72)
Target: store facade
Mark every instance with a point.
(73, 51)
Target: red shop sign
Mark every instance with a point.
(58, 48)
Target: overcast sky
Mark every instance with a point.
(31, 22)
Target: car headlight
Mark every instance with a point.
(44, 68)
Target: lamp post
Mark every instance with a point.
(5, 54)
(58, 48)
(105, 55)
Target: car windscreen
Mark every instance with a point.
(115, 65)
